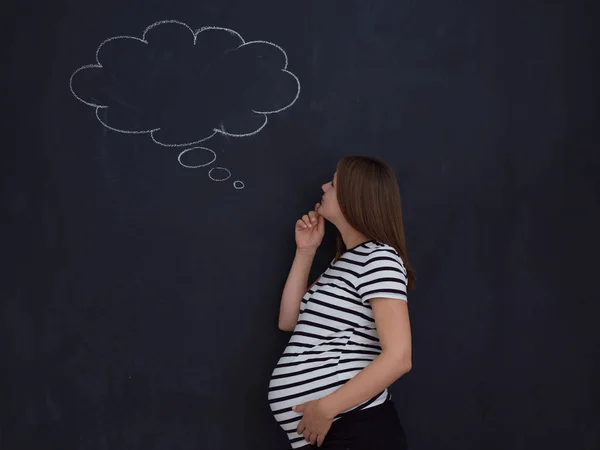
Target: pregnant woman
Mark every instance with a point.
(351, 332)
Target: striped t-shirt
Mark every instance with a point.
(335, 336)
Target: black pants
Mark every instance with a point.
(375, 428)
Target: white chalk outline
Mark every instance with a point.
(222, 179)
(98, 65)
(200, 165)
(238, 184)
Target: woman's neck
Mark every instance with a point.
(352, 237)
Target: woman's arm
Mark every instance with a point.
(295, 288)
(309, 233)
(393, 327)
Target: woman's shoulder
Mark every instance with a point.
(382, 251)
(370, 252)
(375, 247)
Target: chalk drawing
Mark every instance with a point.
(219, 127)
(199, 165)
(217, 178)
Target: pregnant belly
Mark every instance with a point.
(303, 378)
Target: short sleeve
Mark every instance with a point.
(384, 275)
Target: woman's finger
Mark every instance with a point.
(320, 440)
(300, 224)
(306, 435)
(320, 223)
(306, 220)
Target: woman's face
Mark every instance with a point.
(330, 209)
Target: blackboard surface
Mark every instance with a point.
(140, 297)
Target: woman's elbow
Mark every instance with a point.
(403, 363)
(406, 366)
(283, 326)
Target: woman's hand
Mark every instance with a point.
(315, 423)
(310, 230)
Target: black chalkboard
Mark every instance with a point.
(148, 209)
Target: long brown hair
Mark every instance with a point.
(369, 198)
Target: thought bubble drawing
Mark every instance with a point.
(183, 87)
